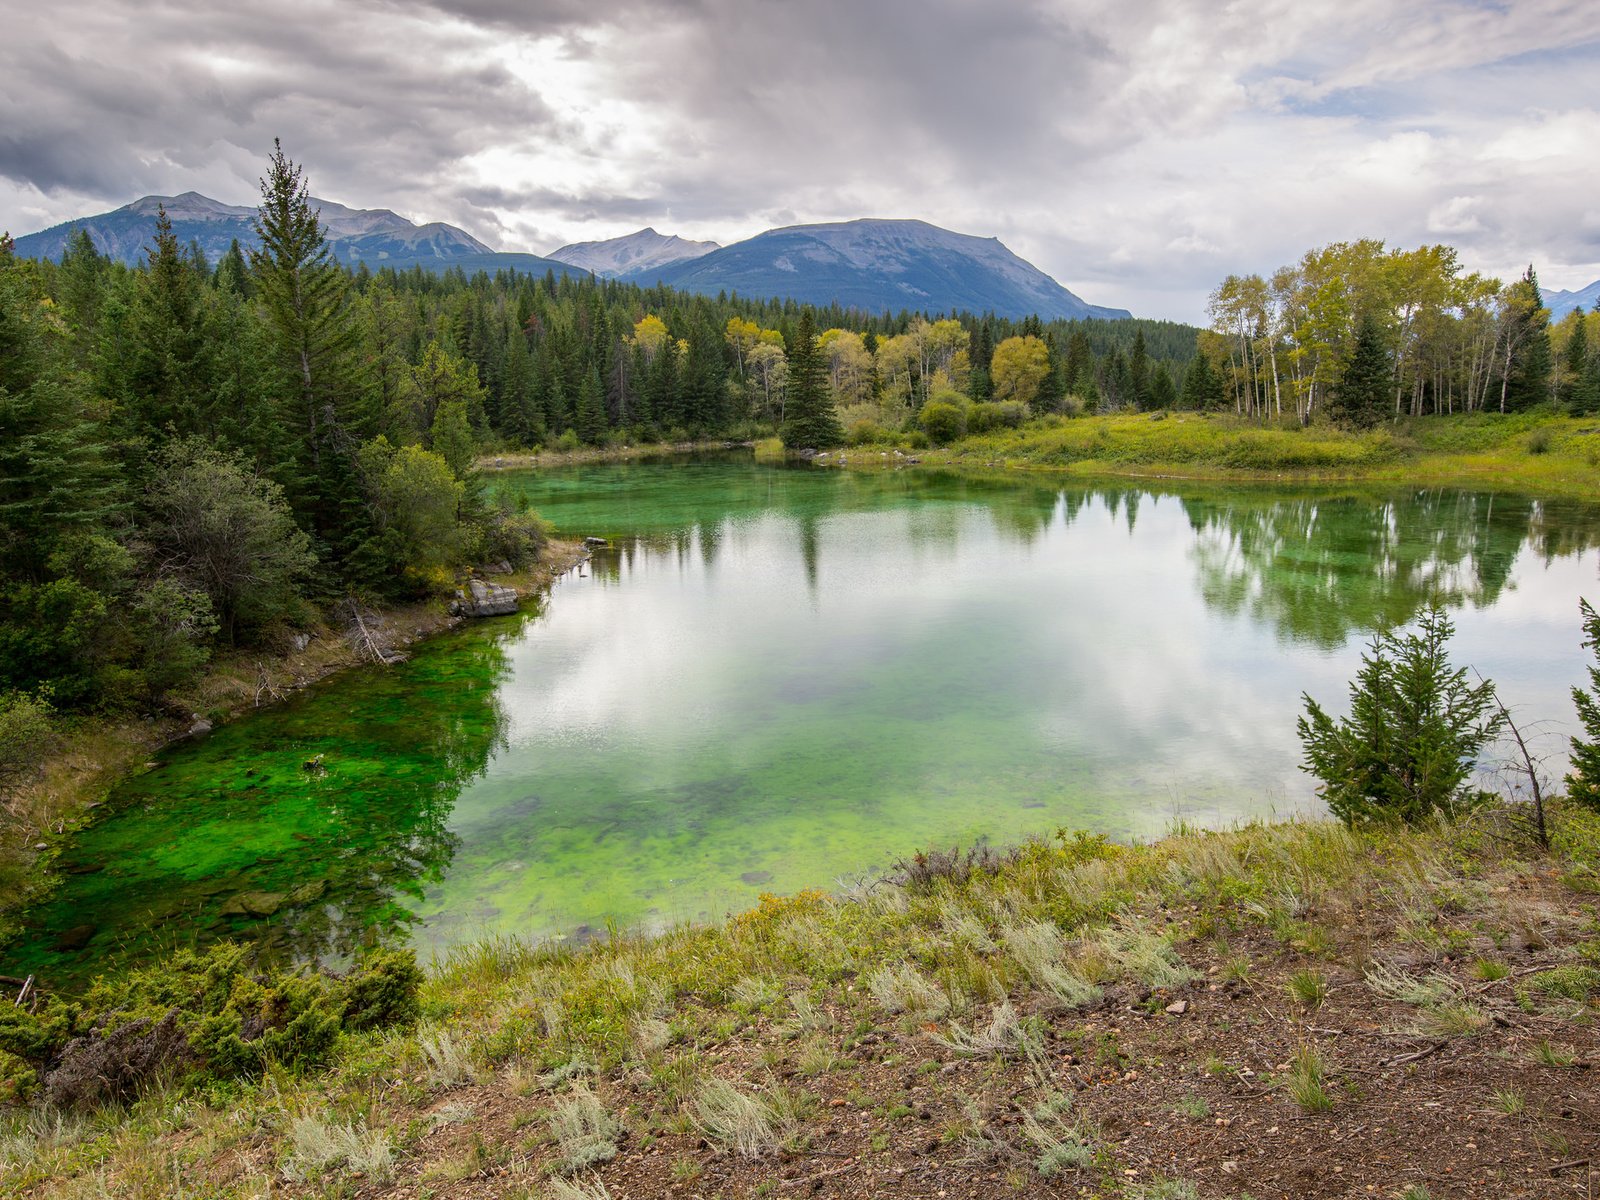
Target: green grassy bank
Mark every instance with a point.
(1532, 453)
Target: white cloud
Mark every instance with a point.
(1136, 150)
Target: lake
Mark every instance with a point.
(781, 677)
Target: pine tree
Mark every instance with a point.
(1575, 364)
(1527, 374)
(811, 423)
(1139, 373)
(1583, 783)
(1163, 392)
(591, 415)
(1365, 389)
(168, 377)
(315, 339)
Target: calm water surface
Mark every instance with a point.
(780, 677)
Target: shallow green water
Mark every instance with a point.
(780, 677)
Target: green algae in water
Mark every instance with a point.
(779, 677)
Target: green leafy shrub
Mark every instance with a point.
(943, 422)
(1413, 735)
(26, 732)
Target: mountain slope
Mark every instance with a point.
(640, 252)
(878, 265)
(1561, 303)
(375, 236)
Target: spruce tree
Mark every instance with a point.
(1575, 364)
(1139, 373)
(591, 417)
(810, 420)
(1365, 390)
(315, 337)
(1583, 783)
(168, 377)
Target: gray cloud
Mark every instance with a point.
(1136, 149)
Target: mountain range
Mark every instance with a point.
(1561, 303)
(871, 265)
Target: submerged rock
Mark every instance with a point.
(76, 938)
(307, 892)
(483, 599)
(254, 904)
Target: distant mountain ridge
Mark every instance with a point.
(872, 265)
(1561, 303)
(375, 236)
(643, 251)
(878, 265)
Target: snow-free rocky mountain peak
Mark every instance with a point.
(644, 251)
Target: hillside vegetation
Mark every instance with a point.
(1291, 1009)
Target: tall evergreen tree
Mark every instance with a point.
(305, 298)
(1139, 373)
(1575, 364)
(168, 374)
(1365, 391)
(591, 416)
(810, 419)
(1527, 374)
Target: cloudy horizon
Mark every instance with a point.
(1136, 151)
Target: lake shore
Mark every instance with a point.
(1283, 1009)
(1531, 454)
(93, 754)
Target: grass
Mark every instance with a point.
(896, 1002)
(1305, 1081)
(1530, 452)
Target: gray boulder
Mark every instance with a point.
(482, 599)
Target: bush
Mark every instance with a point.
(1413, 735)
(25, 734)
(1007, 414)
(208, 1015)
(943, 422)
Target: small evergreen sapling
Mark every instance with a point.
(1413, 735)
(1583, 783)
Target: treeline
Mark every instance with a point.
(196, 453)
(1357, 332)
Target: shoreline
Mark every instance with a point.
(94, 754)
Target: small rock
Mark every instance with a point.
(200, 728)
(254, 904)
(300, 641)
(595, 541)
(1178, 1007)
(1230, 1168)
(75, 938)
(307, 892)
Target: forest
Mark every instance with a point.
(1358, 333)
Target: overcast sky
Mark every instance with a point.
(1137, 151)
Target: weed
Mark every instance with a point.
(1164, 1189)
(584, 1129)
(1549, 1055)
(1511, 1102)
(593, 1188)
(997, 1039)
(901, 989)
(1196, 1108)
(316, 1146)
(1305, 1081)
(1309, 988)
(747, 1124)
(686, 1170)
(1490, 969)
(447, 1062)
(1038, 950)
